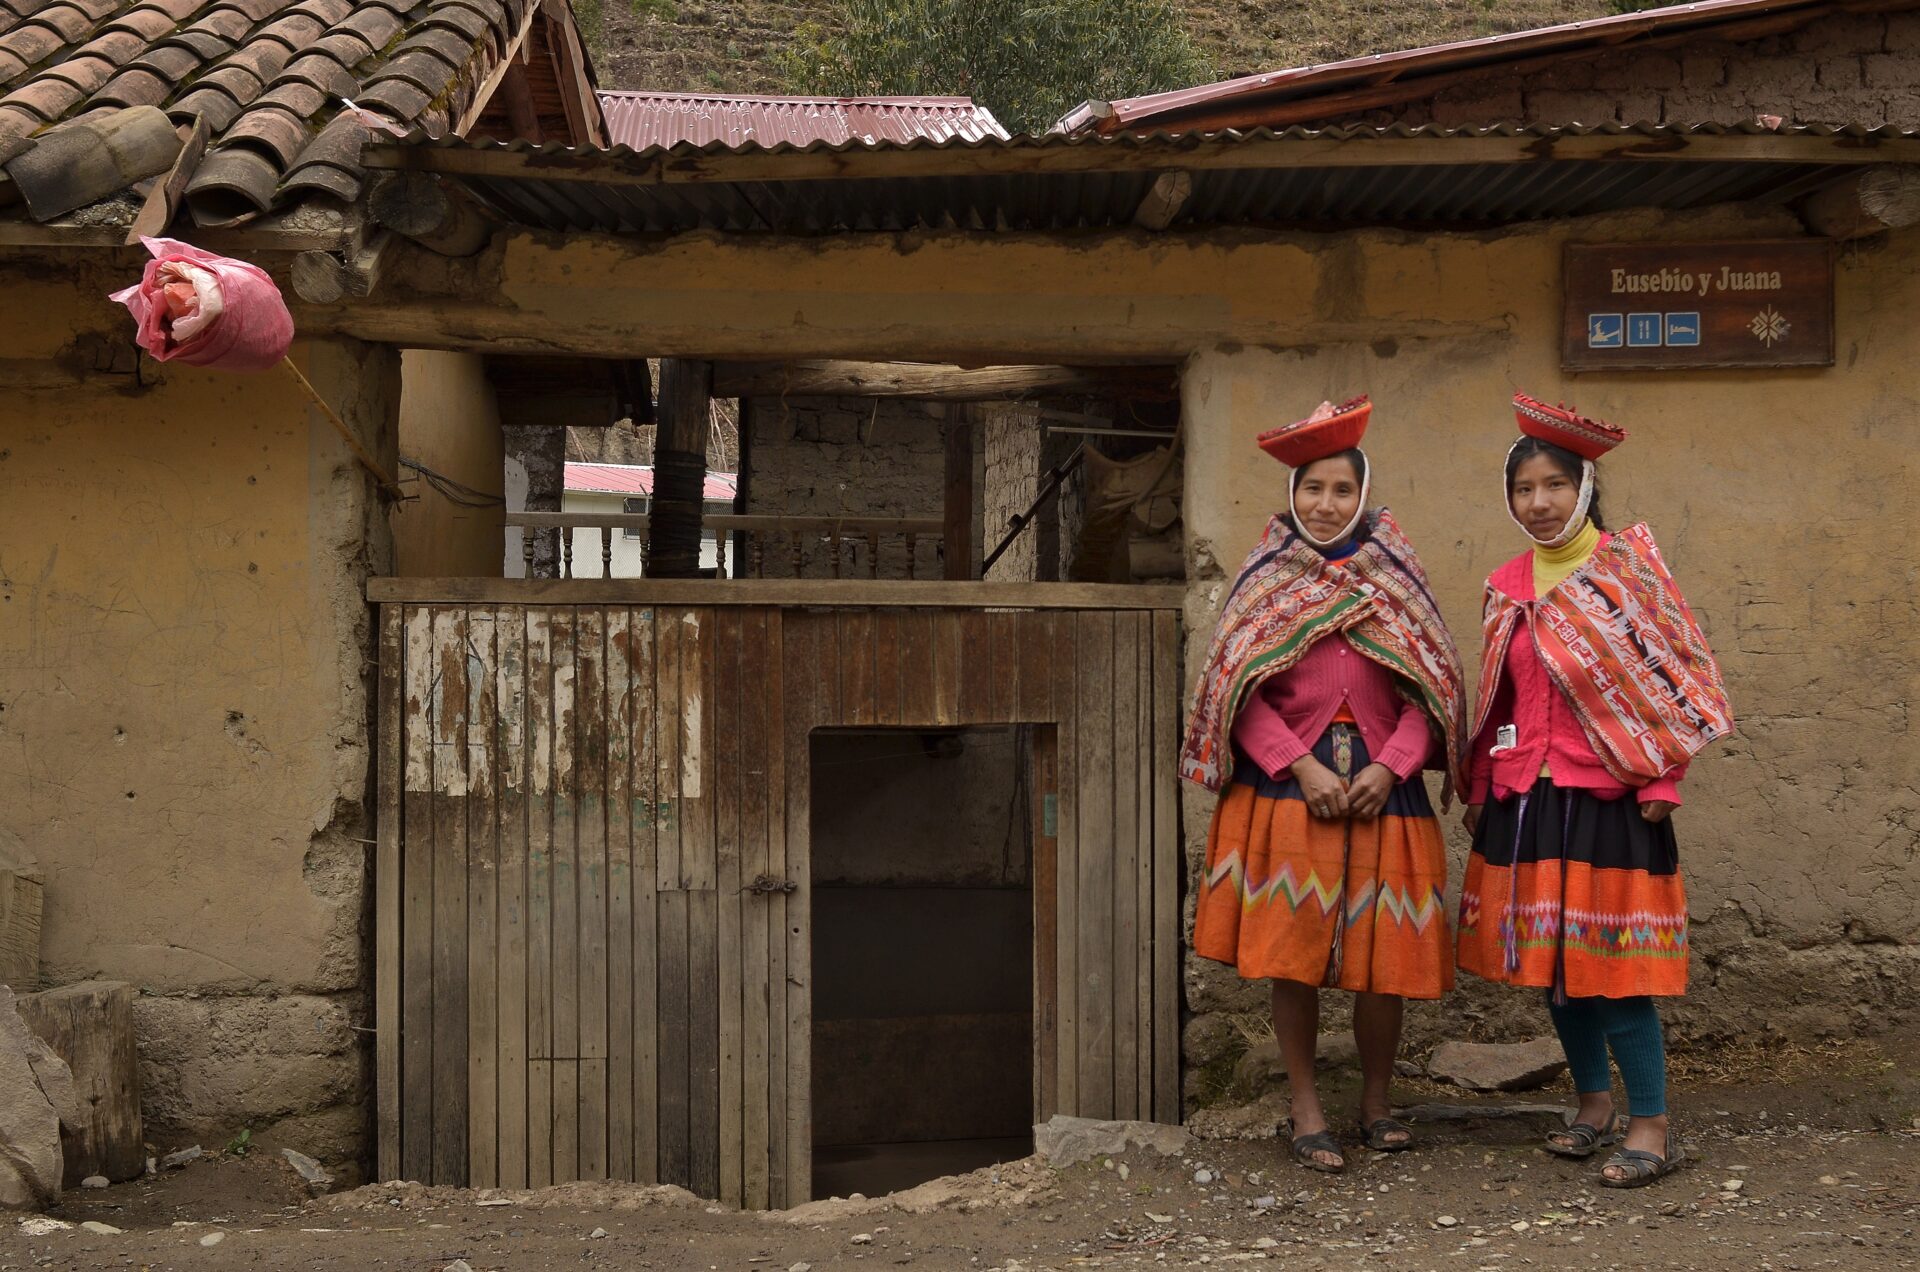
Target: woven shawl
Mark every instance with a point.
(1618, 640)
(1287, 598)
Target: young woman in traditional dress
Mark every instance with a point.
(1330, 685)
(1596, 689)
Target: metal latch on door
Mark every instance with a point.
(766, 884)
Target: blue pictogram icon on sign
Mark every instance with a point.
(1643, 331)
(1606, 331)
(1683, 329)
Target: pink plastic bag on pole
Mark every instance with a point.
(207, 310)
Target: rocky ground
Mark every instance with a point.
(1799, 1162)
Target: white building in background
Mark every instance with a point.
(612, 488)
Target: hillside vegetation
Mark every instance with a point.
(737, 46)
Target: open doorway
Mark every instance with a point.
(922, 954)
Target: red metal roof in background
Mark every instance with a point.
(642, 120)
(637, 479)
(1307, 94)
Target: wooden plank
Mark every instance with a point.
(1169, 857)
(699, 866)
(759, 740)
(590, 807)
(1142, 784)
(620, 832)
(449, 897)
(1094, 933)
(857, 673)
(671, 901)
(1123, 957)
(916, 667)
(667, 735)
(888, 691)
(808, 593)
(1033, 695)
(793, 655)
(932, 382)
(540, 885)
(483, 872)
(700, 862)
(676, 1160)
(416, 1006)
(390, 782)
(1003, 680)
(1066, 653)
(566, 896)
(947, 666)
(1046, 922)
(729, 775)
(813, 701)
(976, 668)
(645, 815)
(510, 699)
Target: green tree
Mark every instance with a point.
(1027, 61)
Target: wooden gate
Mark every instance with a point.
(592, 887)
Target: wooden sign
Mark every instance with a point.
(1637, 306)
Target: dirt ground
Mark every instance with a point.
(1799, 1161)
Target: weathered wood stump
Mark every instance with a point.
(90, 1026)
(19, 931)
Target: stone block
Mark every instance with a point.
(1498, 1066)
(1895, 71)
(36, 1100)
(1478, 106)
(1263, 1065)
(1703, 70)
(1572, 107)
(1850, 33)
(1065, 1141)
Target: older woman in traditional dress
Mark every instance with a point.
(1596, 689)
(1331, 684)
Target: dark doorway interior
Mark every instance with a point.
(922, 955)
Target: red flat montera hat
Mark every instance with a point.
(1300, 443)
(1589, 439)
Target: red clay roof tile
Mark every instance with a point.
(267, 128)
(47, 98)
(425, 69)
(232, 184)
(10, 66)
(133, 88)
(397, 97)
(72, 22)
(205, 43)
(343, 47)
(229, 24)
(31, 43)
(262, 59)
(148, 21)
(215, 104)
(322, 72)
(301, 98)
(373, 23)
(296, 30)
(171, 62)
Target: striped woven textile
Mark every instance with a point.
(1618, 639)
(1287, 597)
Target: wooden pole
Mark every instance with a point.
(958, 499)
(417, 206)
(90, 1026)
(679, 467)
(1869, 202)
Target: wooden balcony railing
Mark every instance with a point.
(787, 541)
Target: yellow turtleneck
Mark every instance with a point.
(1551, 565)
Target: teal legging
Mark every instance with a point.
(1631, 1027)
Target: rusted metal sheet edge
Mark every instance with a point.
(784, 593)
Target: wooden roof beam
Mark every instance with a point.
(932, 382)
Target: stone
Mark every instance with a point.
(1065, 1141)
(862, 1238)
(598, 1234)
(175, 1160)
(36, 1099)
(213, 1238)
(1498, 1066)
(1262, 1066)
(318, 1178)
(94, 1181)
(101, 1229)
(458, 1265)
(43, 1225)
(1447, 1221)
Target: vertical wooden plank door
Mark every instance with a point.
(592, 885)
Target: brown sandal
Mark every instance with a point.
(1305, 1146)
(1587, 1139)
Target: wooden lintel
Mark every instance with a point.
(326, 278)
(935, 382)
(809, 593)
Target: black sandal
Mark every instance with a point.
(1587, 1139)
(1375, 1134)
(1642, 1167)
(1305, 1146)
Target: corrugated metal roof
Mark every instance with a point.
(1087, 181)
(1297, 91)
(637, 479)
(641, 120)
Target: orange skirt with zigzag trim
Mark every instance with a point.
(1355, 905)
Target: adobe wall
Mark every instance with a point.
(184, 701)
(1847, 69)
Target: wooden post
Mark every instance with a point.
(1869, 202)
(957, 538)
(417, 206)
(20, 931)
(680, 467)
(90, 1026)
